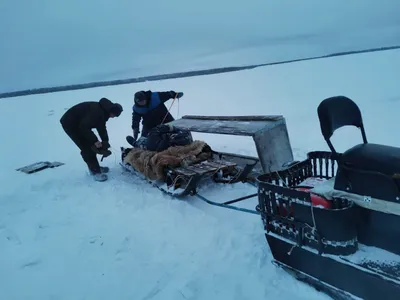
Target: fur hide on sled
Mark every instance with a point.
(152, 164)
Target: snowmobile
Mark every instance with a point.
(333, 219)
(268, 132)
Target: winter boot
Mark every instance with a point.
(104, 169)
(131, 140)
(98, 176)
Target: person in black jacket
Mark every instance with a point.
(78, 122)
(150, 108)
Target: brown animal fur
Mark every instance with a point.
(152, 164)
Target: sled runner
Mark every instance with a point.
(333, 219)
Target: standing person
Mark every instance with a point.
(78, 122)
(150, 108)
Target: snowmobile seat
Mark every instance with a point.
(370, 170)
(365, 169)
(373, 158)
(336, 112)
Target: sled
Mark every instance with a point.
(271, 140)
(348, 247)
(182, 181)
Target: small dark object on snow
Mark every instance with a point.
(39, 166)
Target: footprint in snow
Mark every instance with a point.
(96, 239)
(10, 236)
(124, 247)
(31, 263)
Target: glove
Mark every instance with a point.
(106, 145)
(177, 95)
(105, 153)
(102, 151)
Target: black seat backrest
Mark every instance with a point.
(336, 112)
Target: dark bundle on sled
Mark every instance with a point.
(332, 219)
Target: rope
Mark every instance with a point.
(173, 101)
(115, 155)
(178, 109)
(169, 109)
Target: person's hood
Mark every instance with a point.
(106, 104)
(110, 107)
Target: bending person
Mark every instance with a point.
(149, 108)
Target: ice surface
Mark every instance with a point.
(64, 236)
(47, 43)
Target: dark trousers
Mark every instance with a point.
(145, 131)
(88, 155)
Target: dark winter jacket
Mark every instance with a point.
(85, 116)
(154, 112)
(162, 137)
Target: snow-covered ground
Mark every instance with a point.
(47, 43)
(64, 236)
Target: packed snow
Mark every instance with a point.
(65, 236)
(49, 43)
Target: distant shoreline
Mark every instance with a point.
(177, 75)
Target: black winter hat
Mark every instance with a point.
(140, 96)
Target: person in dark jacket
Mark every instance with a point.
(150, 108)
(78, 122)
